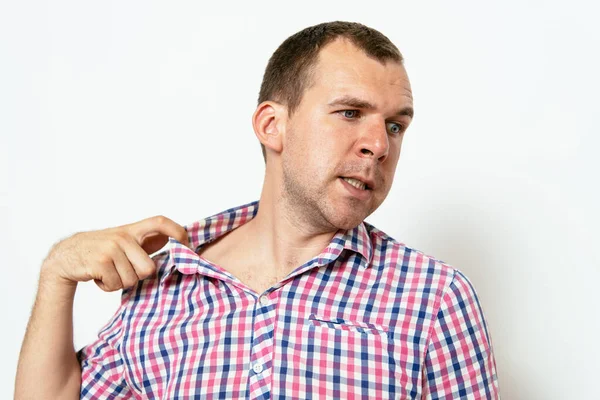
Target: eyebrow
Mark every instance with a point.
(355, 102)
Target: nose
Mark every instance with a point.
(374, 143)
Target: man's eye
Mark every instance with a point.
(394, 128)
(350, 114)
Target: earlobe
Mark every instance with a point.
(268, 125)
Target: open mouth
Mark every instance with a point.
(356, 183)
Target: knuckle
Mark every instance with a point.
(121, 235)
(112, 245)
(114, 283)
(114, 287)
(105, 286)
(161, 220)
(109, 288)
(105, 259)
(145, 270)
(130, 282)
(144, 274)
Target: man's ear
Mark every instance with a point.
(269, 120)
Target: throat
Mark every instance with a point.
(232, 254)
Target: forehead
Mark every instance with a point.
(344, 69)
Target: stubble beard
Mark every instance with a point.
(309, 205)
(306, 208)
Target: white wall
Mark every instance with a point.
(111, 112)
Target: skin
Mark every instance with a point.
(303, 202)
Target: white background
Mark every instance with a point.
(111, 112)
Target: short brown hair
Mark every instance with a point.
(290, 69)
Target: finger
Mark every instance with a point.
(124, 268)
(155, 226)
(108, 279)
(143, 265)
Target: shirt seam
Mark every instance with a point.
(438, 308)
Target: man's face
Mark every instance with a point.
(349, 124)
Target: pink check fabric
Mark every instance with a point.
(366, 318)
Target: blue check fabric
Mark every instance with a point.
(368, 317)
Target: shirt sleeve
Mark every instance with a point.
(460, 362)
(102, 368)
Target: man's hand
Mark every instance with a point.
(114, 258)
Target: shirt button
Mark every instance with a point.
(264, 300)
(258, 368)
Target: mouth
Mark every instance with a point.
(358, 184)
(356, 188)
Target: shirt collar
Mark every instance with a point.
(187, 261)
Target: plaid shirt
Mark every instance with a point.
(366, 318)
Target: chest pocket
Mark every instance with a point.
(356, 359)
(350, 326)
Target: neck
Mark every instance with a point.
(282, 237)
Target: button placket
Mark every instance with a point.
(262, 344)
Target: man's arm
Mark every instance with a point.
(48, 366)
(460, 362)
(114, 258)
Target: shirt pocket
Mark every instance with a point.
(357, 359)
(350, 326)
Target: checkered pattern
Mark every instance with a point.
(366, 318)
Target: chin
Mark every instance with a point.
(348, 221)
(349, 214)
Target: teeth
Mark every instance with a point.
(356, 183)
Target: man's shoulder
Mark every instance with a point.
(400, 255)
(414, 269)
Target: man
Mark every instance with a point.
(291, 296)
